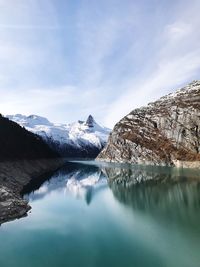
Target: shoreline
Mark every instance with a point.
(181, 164)
(14, 177)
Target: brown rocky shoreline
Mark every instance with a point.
(14, 176)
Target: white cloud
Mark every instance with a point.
(50, 102)
(104, 58)
(177, 31)
(177, 62)
(166, 78)
(27, 101)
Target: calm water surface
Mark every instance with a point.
(89, 215)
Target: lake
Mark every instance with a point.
(89, 214)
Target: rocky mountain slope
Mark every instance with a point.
(166, 132)
(15, 175)
(79, 139)
(23, 157)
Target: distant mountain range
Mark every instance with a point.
(78, 139)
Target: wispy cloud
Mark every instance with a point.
(177, 61)
(54, 103)
(99, 57)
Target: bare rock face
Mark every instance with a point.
(90, 121)
(15, 176)
(12, 206)
(166, 132)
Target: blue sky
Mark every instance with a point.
(66, 59)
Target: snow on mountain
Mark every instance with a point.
(79, 135)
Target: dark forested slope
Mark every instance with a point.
(18, 143)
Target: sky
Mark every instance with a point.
(66, 59)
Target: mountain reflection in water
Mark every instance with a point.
(80, 180)
(167, 193)
(94, 214)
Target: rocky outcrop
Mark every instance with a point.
(90, 122)
(12, 206)
(14, 177)
(166, 132)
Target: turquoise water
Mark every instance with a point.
(88, 215)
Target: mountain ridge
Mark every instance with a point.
(78, 139)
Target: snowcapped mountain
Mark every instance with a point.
(79, 139)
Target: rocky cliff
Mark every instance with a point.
(14, 177)
(165, 132)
